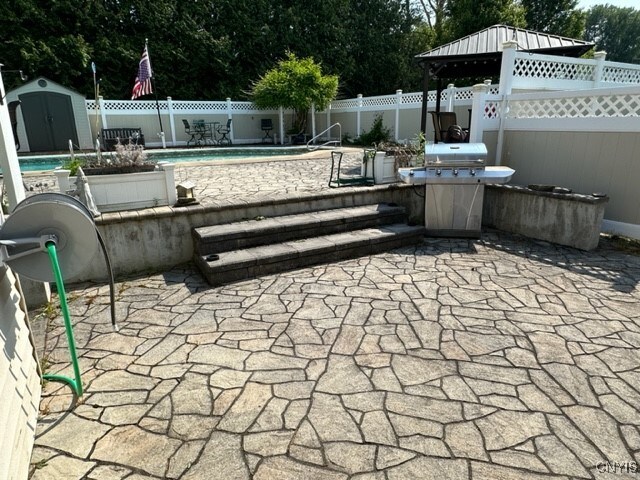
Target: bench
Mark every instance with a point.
(111, 137)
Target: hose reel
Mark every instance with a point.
(49, 235)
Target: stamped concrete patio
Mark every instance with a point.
(499, 358)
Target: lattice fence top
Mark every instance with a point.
(491, 109)
(204, 106)
(412, 98)
(132, 105)
(463, 94)
(379, 101)
(602, 106)
(343, 104)
(553, 69)
(615, 74)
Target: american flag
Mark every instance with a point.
(143, 80)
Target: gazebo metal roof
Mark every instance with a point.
(480, 53)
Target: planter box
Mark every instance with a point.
(127, 191)
(384, 168)
(568, 219)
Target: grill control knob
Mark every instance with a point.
(455, 172)
(438, 172)
(473, 172)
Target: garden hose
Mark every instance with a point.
(76, 384)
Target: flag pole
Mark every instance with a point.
(155, 91)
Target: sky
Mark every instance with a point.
(584, 4)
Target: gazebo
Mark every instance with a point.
(480, 55)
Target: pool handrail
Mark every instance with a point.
(333, 143)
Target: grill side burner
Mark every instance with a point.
(454, 177)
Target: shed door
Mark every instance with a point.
(49, 121)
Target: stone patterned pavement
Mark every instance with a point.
(238, 180)
(500, 358)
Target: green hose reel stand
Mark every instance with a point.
(50, 237)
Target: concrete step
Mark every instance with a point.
(253, 233)
(230, 266)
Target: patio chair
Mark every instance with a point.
(225, 130)
(189, 130)
(266, 125)
(441, 123)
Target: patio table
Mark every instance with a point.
(206, 132)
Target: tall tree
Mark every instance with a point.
(434, 12)
(615, 30)
(469, 16)
(557, 17)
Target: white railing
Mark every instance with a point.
(595, 103)
(334, 143)
(532, 71)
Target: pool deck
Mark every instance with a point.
(499, 358)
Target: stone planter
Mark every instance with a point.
(384, 168)
(567, 219)
(128, 191)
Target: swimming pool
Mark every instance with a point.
(50, 162)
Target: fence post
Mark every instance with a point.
(398, 103)
(313, 122)
(599, 57)
(451, 97)
(103, 114)
(281, 122)
(329, 121)
(507, 66)
(172, 124)
(359, 107)
(230, 117)
(476, 129)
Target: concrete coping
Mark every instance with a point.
(571, 197)
(195, 209)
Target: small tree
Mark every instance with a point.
(297, 84)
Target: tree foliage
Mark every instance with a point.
(208, 49)
(616, 31)
(469, 16)
(557, 17)
(213, 49)
(297, 84)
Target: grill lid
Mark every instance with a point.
(455, 154)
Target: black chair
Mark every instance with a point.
(266, 125)
(190, 131)
(224, 130)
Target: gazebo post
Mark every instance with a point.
(425, 99)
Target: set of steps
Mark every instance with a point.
(247, 249)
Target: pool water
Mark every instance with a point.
(51, 162)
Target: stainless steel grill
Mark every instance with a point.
(454, 176)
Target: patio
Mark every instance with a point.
(496, 358)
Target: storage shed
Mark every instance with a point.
(49, 116)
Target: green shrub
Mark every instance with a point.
(73, 164)
(378, 133)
